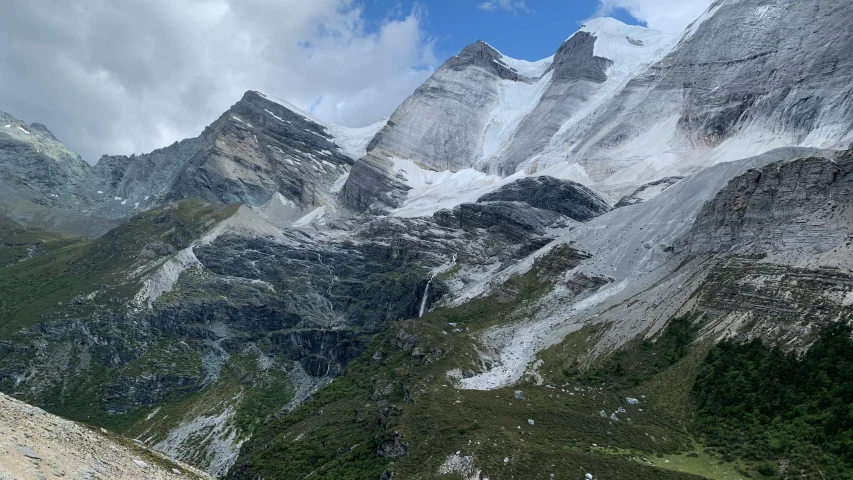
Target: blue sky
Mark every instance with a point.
(531, 32)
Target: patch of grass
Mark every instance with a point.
(697, 462)
(19, 243)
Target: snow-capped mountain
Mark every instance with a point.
(620, 106)
(746, 77)
(486, 112)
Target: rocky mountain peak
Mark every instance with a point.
(481, 54)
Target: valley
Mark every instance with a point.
(632, 259)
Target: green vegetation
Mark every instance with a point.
(767, 406)
(399, 392)
(632, 365)
(39, 288)
(19, 243)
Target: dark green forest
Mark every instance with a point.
(781, 409)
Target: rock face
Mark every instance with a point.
(42, 182)
(258, 148)
(746, 77)
(441, 125)
(565, 197)
(215, 299)
(484, 110)
(530, 205)
(258, 151)
(618, 107)
(800, 206)
(189, 319)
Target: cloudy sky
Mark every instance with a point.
(113, 76)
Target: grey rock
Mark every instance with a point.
(393, 448)
(786, 207)
(29, 453)
(749, 67)
(565, 197)
(576, 73)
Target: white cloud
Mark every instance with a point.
(109, 76)
(665, 15)
(512, 6)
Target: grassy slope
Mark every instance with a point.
(406, 394)
(39, 288)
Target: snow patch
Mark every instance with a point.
(23, 130)
(626, 45)
(632, 50)
(762, 11)
(432, 191)
(285, 201)
(353, 141)
(315, 215)
(339, 184)
(515, 101)
(152, 414)
(528, 69)
(274, 115)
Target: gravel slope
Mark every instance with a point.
(37, 445)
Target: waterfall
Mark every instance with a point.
(424, 301)
(426, 290)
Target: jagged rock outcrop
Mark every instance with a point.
(529, 205)
(372, 186)
(514, 219)
(43, 183)
(787, 208)
(260, 150)
(565, 197)
(130, 184)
